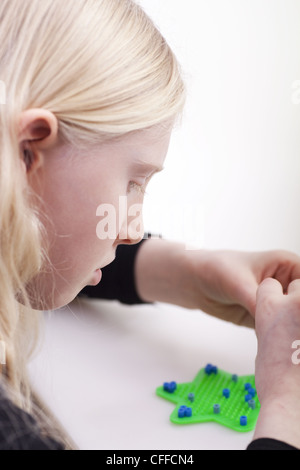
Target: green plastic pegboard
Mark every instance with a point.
(207, 391)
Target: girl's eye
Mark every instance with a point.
(137, 187)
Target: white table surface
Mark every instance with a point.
(100, 362)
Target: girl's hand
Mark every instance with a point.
(226, 282)
(277, 374)
(221, 283)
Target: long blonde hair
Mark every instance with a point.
(103, 69)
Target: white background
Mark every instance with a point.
(231, 178)
(231, 181)
(101, 362)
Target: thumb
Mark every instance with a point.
(269, 287)
(269, 291)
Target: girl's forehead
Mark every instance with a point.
(143, 146)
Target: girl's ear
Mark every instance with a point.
(38, 131)
(38, 126)
(28, 159)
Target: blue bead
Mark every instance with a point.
(247, 386)
(173, 386)
(184, 411)
(248, 397)
(252, 392)
(251, 404)
(170, 387)
(166, 386)
(217, 409)
(226, 392)
(181, 412)
(208, 369)
(243, 420)
(191, 397)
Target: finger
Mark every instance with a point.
(269, 286)
(283, 266)
(295, 270)
(294, 287)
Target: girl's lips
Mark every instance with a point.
(97, 274)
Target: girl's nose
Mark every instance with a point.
(131, 231)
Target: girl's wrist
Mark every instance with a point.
(279, 419)
(164, 273)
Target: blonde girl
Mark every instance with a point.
(92, 93)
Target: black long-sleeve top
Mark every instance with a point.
(19, 431)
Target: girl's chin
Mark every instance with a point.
(43, 296)
(95, 278)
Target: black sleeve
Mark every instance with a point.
(269, 444)
(118, 281)
(19, 430)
